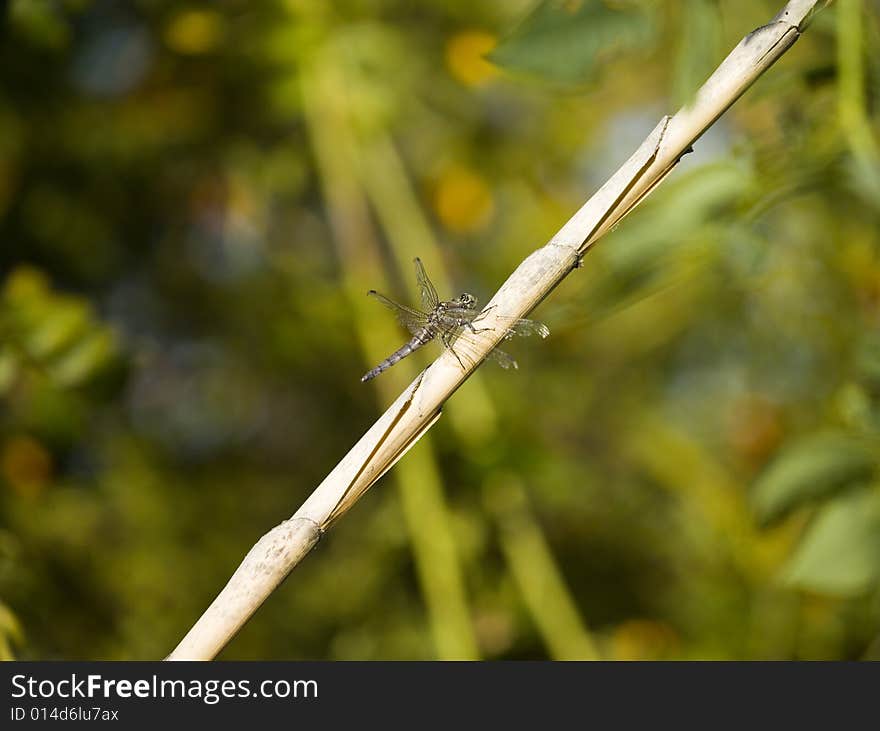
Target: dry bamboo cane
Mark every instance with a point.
(274, 556)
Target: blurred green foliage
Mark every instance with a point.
(568, 42)
(194, 198)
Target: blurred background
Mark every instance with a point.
(195, 198)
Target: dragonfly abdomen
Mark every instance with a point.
(417, 342)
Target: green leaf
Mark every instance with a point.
(41, 22)
(868, 360)
(813, 467)
(564, 41)
(10, 633)
(86, 358)
(58, 327)
(699, 48)
(57, 333)
(8, 369)
(840, 552)
(665, 225)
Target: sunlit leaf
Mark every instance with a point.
(86, 358)
(25, 284)
(59, 327)
(565, 41)
(840, 553)
(810, 468)
(10, 632)
(54, 333)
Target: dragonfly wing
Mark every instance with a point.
(517, 327)
(412, 319)
(502, 359)
(429, 295)
(462, 341)
(527, 327)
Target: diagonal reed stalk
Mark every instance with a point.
(418, 407)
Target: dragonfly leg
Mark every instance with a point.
(447, 343)
(479, 317)
(470, 326)
(484, 313)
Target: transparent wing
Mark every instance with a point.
(527, 327)
(411, 318)
(429, 295)
(462, 340)
(502, 359)
(516, 327)
(453, 333)
(463, 343)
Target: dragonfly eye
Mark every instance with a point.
(467, 300)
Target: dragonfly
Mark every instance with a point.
(453, 322)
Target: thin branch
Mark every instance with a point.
(418, 407)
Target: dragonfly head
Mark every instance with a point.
(467, 301)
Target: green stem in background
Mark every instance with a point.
(475, 420)
(417, 479)
(537, 576)
(852, 104)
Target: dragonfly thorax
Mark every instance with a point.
(455, 312)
